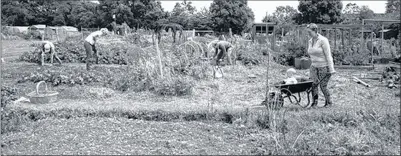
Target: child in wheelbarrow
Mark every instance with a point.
(292, 78)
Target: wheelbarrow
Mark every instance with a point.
(42, 97)
(289, 91)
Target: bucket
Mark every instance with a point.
(305, 63)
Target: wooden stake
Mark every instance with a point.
(382, 48)
(335, 39)
(82, 32)
(160, 59)
(363, 35)
(342, 39)
(371, 39)
(57, 34)
(267, 77)
(360, 82)
(349, 37)
(274, 37)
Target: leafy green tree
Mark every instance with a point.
(318, 11)
(83, 15)
(182, 14)
(283, 16)
(14, 13)
(351, 14)
(146, 13)
(227, 14)
(201, 20)
(393, 6)
(123, 14)
(351, 8)
(269, 18)
(393, 12)
(366, 13)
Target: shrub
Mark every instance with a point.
(176, 86)
(8, 94)
(338, 57)
(251, 55)
(292, 50)
(60, 77)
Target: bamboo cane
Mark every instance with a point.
(159, 58)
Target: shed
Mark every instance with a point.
(21, 29)
(37, 27)
(40, 28)
(204, 32)
(263, 27)
(70, 28)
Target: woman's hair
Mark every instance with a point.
(312, 27)
(104, 30)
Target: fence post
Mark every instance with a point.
(57, 35)
(342, 38)
(349, 37)
(381, 43)
(274, 37)
(335, 39)
(44, 34)
(371, 39)
(82, 32)
(159, 57)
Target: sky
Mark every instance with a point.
(260, 7)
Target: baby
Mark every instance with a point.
(291, 77)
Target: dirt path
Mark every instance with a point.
(94, 136)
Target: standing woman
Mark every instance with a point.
(322, 64)
(90, 48)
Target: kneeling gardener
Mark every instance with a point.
(48, 47)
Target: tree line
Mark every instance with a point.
(149, 14)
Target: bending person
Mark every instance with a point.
(90, 47)
(221, 50)
(47, 47)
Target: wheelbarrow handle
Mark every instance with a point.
(314, 85)
(37, 86)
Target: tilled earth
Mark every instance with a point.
(95, 136)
